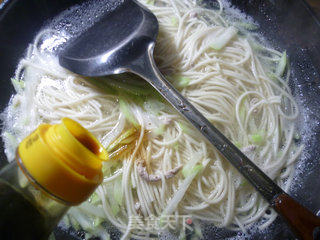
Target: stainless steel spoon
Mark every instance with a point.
(123, 41)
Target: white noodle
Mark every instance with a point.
(229, 86)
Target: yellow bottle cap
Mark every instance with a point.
(65, 159)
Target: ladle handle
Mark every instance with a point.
(146, 68)
(303, 222)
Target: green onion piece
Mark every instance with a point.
(74, 223)
(184, 127)
(128, 86)
(187, 171)
(12, 140)
(179, 81)
(115, 208)
(150, 2)
(221, 41)
(179, 194)
(122, 83)
(117, 191)
(121, 138)
(97, 222)
(128, 140)
(112, 201)
(90, 210)
(18, 85)
(94, 199)
(272, 76)
(125, 109)
(174, 21)
(105, 168)
(244, 183)
(160, 130)
(257, 138)
(255, 45)
(297, 136)
(81, 218)
(102, 85)
(238, 144)
(247, 26)
(153, 106)
(66, 220)
(282, 64)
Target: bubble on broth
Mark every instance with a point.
(78, 18)
(72, 22)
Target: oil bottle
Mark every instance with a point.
(56, 167)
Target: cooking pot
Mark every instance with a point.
(286, 24)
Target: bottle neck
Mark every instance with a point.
(48, 205)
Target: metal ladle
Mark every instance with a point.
(123, 41)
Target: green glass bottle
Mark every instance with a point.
(56, 167)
